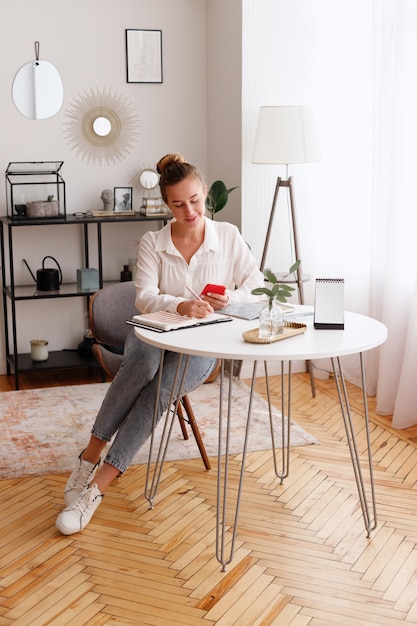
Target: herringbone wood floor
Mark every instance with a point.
(302, 556)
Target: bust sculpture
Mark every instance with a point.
(107, 197)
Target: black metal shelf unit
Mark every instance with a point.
(12, 293)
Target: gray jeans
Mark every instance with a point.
(129, 405)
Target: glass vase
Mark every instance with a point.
(271, 320)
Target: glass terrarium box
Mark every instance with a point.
(35, 190)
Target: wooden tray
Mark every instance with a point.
(290, 329)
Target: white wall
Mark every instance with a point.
(308, 52)
(86, 43)
(277, 71)
(222, 60)
(224, 100)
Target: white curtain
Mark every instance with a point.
(372, 157)
(355, 61)
(394, 261)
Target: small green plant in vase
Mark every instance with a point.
(271, 320)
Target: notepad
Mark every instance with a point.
(329, 303)
(163, 321)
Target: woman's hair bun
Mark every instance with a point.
(173, 169)
(167, 160)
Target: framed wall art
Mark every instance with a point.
(144, 56)
(122, 199)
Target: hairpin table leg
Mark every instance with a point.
(151, 484)
(369, 518)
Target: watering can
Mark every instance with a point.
(47, 278)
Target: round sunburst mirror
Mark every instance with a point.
(102, 126)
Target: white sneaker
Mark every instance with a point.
(76, 516)
(79, 480)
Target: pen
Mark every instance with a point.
(194, 293)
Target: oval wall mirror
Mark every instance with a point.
(37, 90)
(149, 179)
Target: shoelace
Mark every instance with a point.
(83, 503)
(85, 473)
(83, 476)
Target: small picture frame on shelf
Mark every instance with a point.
(123, 200)
(143, 56)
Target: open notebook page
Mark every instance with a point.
(164, 321)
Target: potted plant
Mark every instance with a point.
(217, 197)
(270, 318)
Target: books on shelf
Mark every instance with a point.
(152, 211)
(154, 206)
(149, 202)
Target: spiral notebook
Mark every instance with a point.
(329, 306)
(163, 321)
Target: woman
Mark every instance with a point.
(190, 251)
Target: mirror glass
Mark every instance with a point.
(102, 126)
(38, 91)
(149, 179)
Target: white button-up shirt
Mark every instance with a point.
(223, 258)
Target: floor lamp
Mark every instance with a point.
(285, 135)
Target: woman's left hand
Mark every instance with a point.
(216, 300)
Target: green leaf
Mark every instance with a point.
(287, 289)
(294, 267)
(217, 196)
(270, 276)
(262, 291)
(276, 289)
(279, 291)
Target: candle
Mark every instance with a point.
(39, 349)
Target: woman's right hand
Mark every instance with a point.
(194, 308)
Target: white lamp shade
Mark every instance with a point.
(284, 135)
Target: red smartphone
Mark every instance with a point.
(209, 288)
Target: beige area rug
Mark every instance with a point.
(44, 430)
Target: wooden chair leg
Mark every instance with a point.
(196, 432)
(181, 419)
(212, 377)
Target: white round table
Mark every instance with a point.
(225, 341)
